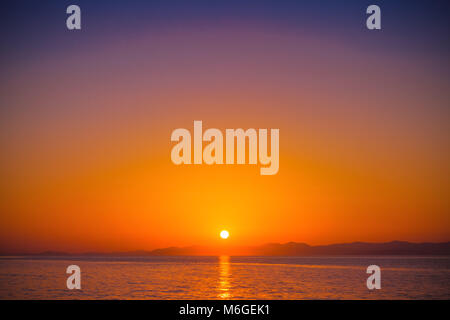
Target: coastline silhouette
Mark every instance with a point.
(278, 249)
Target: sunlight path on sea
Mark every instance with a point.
(224, 278)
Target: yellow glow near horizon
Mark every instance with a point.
(224, 234)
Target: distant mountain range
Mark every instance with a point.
(288, 249)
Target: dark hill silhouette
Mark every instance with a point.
(289, 249)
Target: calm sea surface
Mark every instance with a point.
(225, 278)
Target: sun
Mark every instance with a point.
(224, 234)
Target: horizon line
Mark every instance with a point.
(212, 247)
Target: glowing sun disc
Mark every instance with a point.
(224, 234)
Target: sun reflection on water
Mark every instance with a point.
(224, 278)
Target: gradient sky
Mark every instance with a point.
(86, 118)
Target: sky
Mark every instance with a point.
(86, 118)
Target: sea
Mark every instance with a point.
(224, 277)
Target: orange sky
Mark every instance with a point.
(85, 144)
